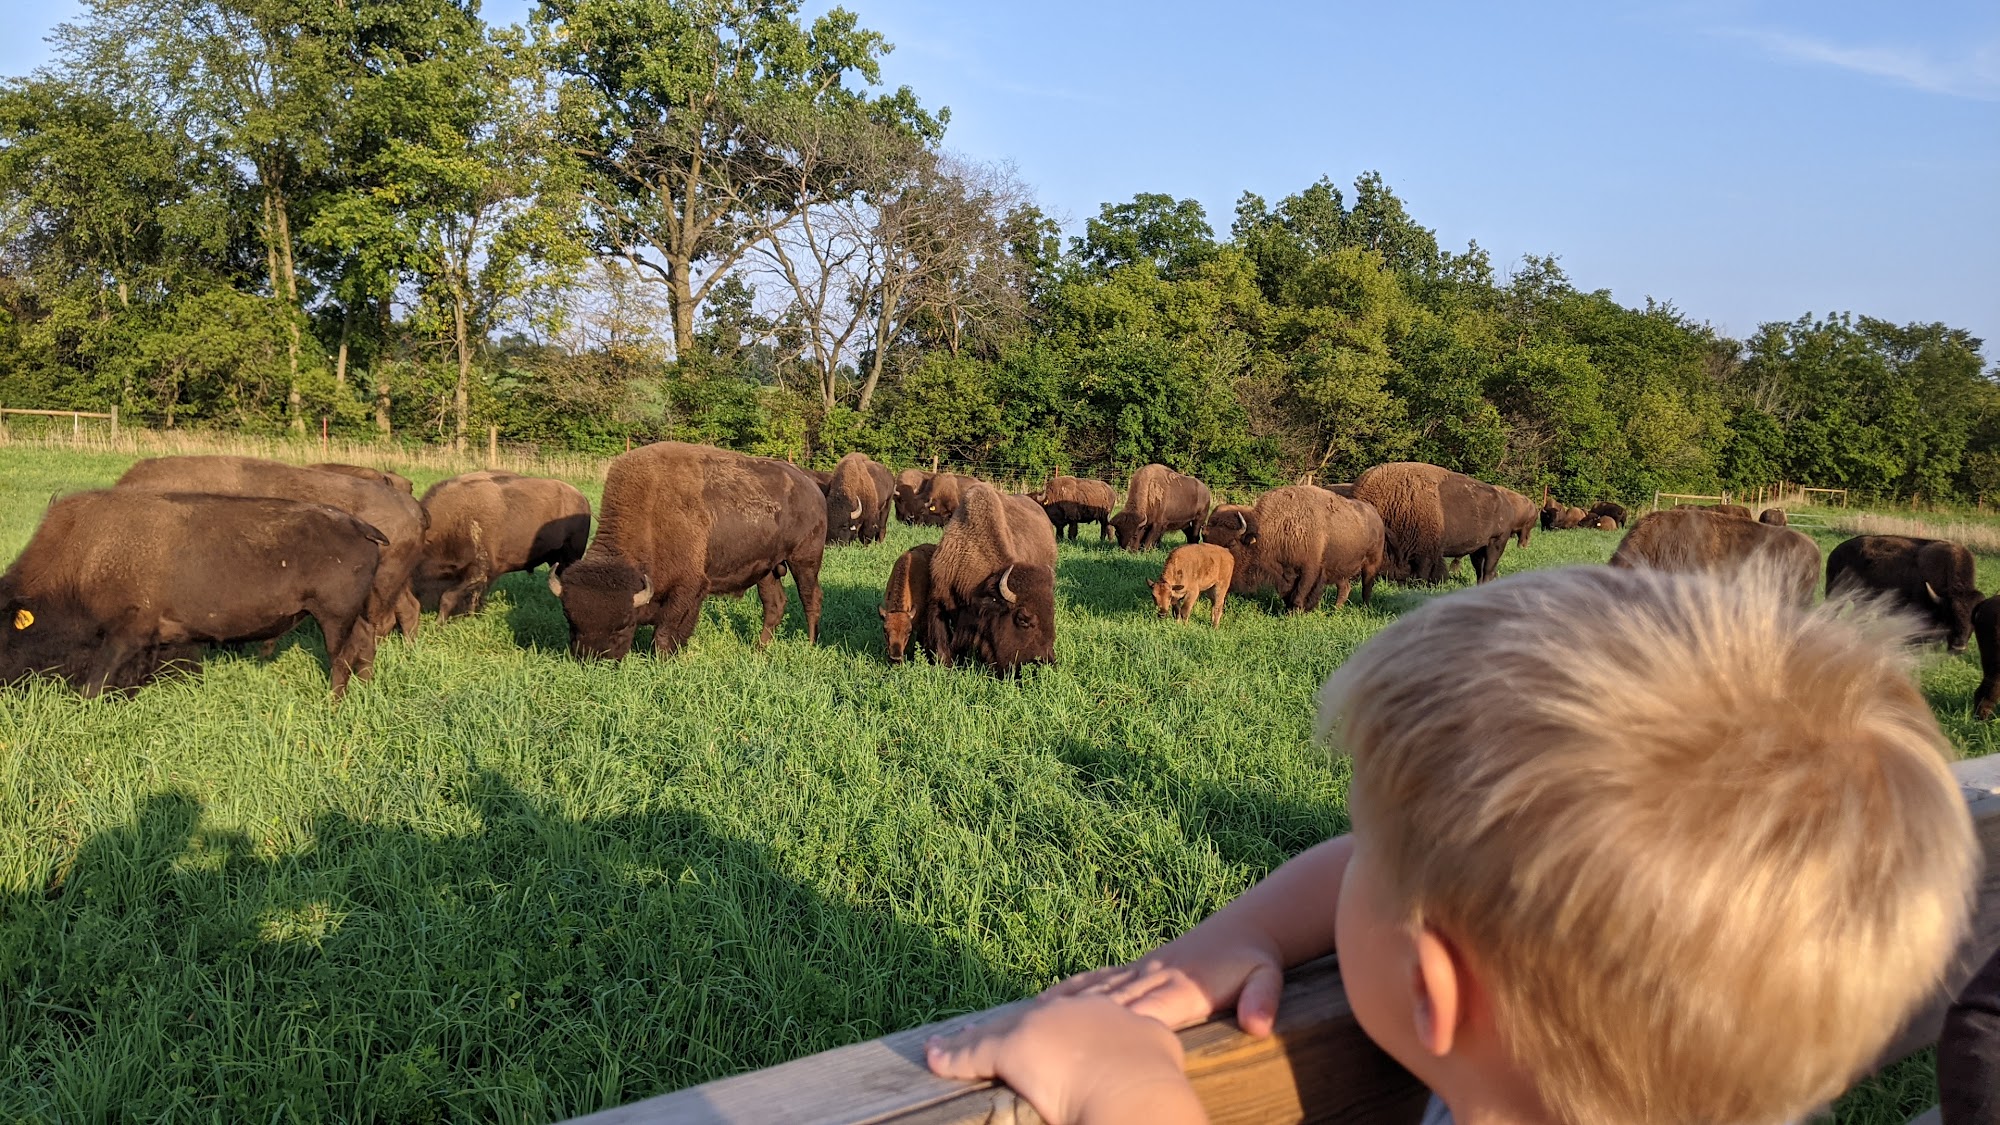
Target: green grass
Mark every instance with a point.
(496, 883)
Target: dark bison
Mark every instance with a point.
(1073, 501)
(1694, 541)
(1298, 540)
(1986, 626)
(398, 517)
(1430, 514)
(1736, 510)
(116, 583)
(1773, 516)
(1607, 509)
(906, 603)
(858, 499)
(993, 582)
(940, 496)
(1159, 500)
(396, 481)
(1192, 568)
(680, 522)
(909, 496)
(1557, 516)
(488, 523)
(1931, 578)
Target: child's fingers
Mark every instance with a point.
(1169, 998)
(970, 1052)
(1096, 980)
(1257, 1005)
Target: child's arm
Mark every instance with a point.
(1238, 955)
(1082, 1060)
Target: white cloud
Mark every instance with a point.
(1972, 74)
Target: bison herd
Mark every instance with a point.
(118, 585)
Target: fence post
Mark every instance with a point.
(75, 426)
(492, 447)
(114, 421)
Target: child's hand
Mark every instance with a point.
(1083, 1060)
(1190, 979)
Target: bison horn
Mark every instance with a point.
(856, 513)
(555, 583)
(1006, 591)
(1242, 522)
(1929, 589)
(644, 595)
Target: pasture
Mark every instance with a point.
(498, 884)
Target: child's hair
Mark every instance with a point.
(1704, 843)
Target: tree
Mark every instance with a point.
(1172, 234)
(681, 112)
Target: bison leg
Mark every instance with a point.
(1340, 591)
(937, 636)
(674, 620)
(350, 649)
(409, 612)
(770, 591)
(1368, 586)
(107, 662)
(1217, 594)
(1315, 587)
(805, 579)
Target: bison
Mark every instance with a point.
(1526, 515)
(1986, 626)
(1159, 500)
(909, 496)
(1600, 523)
(488, 523)
(398, 517)
(1298, 540)
(1430, 514)
(940, 496)
(1191, 569)
(1606, 509)
(396, 481)
(1773, 516)
(993, 582)
(1693, 541)
(115, 581)
(679, 522)
(1557, 516)
(858, 498)
(906, 603)
(1737, 511)
(1073, 501)
(1932, 578)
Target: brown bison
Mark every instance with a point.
(906, 603)
(941, 493)
(1431, 514)
(993, 582)
(1297, 540)
(1600, 523)
(858, 499)
(116, 583)
(489, 523)
(1557, 516)
(1986, 626)
(1606, 509)
(1773, 516)
(1736, 510)
(1693, 541)
(680, 522)
(1931, 578)
(1526, 515)
(396, 481)
(1073, 501)
(398, 517)
(910, 496)
(1159, 500)
(1191, 569)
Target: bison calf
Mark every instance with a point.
(115, 583)
(1191, 569)
(906, 603)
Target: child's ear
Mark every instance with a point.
(1437, 993)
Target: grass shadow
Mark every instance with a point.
(1108, 582)
(533, 614)
(509, 961)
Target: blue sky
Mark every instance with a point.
(1748, 161)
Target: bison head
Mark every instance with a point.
(843, 517)
(1954, 612)
(45, 635)
(1229, 525)
(1164, 594)
(1011, 620)
(1125, 527)
(601, 599)
(897, 626)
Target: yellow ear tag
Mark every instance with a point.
(23, 619)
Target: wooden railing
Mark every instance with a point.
(1317, 1067)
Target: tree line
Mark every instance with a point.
(710, 220)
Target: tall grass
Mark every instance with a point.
(498, 884)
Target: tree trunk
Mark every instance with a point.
(680, 300)
(882, 329)
(383, 311)
(340, 356)
(458, 397)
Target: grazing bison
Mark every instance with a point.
(941, 493)
(1297, 540)
(906, 603)
(993, 578)
(1694, 541)
(1986, 626)
(910, 496)
(1191, 569)
(680, 522)
(1073, 501)
(1773, 516)
(488, 523)
(1525, 514)
(396, 481)
(1431, 514)
(389, 511)
(1931, 578)
(858, 499)
(1606, 509)
(1159, 500)
(114, 583)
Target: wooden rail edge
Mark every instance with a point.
(1317, 1067)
